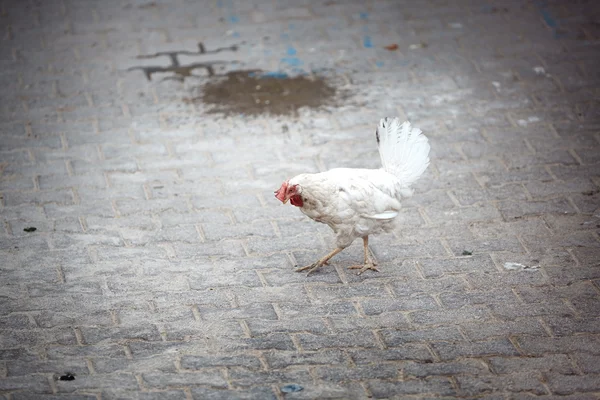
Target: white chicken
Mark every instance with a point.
(360, 202)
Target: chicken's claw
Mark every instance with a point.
(311, 268)
(323, 261)
(363, 268)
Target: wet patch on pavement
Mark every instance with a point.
(252, 92)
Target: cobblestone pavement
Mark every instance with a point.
(161, 266)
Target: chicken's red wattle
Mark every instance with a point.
(296, 200)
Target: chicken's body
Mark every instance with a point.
(347, 200)
(360, 202)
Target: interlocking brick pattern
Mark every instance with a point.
(161, 266)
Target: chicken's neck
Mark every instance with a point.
(296, 200)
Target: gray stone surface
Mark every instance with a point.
(161, 266)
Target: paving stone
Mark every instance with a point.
(272, 341)
(408, 303)
(110, 350)
(248, 295)
(569, 384)
(312, 342)
(36, 337)
(526, 382)
(261, 327)
(410, 351)
(262, 311)
(435, 268)
(577, 343)
(33, 396)
(453, 350)
(587, 362)
(558, 363)
(567, 325)
(465, 314)
(93, 335)
(459, 300)
(155, 395)
(398, 337)
(486, 329)
(391, 320)
(207, 377)
(295, 310)
(459, 367)
(200, 362)
(430, 385)
(241, 377)
(35, 383)
(406, 288)
(362, 372)
(260, 392)
(19, 368)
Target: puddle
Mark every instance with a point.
(252, 92)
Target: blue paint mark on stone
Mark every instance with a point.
(364, 15)
(367, 42)
(292, 61)
(234, 19)
(291, 388)
(550, 21)
(236, 34)
(291, 51)
(379, 64)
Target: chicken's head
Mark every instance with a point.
(289, 192)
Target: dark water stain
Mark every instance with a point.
(180, 72)
(250, 92)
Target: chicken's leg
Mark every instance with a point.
(319, 263)
(369, 263)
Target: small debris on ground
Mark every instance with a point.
(511, 266)
(421, 45)
(529, 120)
(30, 229)
(467, 253)
(391, 47)
(67, 377)
(539, 70)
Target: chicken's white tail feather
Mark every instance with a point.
(386, 215)
(404, 150)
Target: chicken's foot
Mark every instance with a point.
(369, 263)
(312, 267)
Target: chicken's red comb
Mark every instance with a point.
(280, 194)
